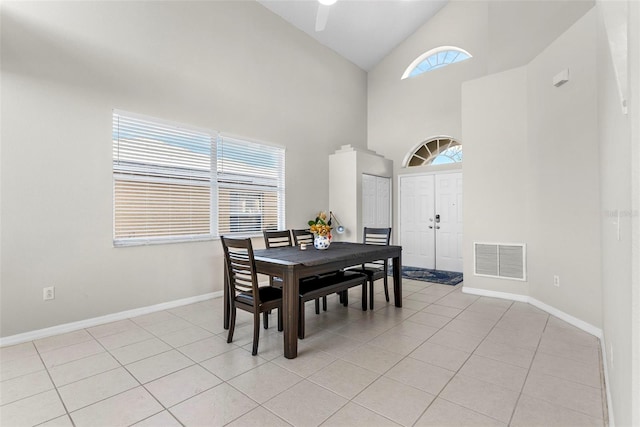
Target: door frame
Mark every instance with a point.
(399, 193)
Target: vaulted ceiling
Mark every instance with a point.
(365, 31)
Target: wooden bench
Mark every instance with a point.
(339, 282)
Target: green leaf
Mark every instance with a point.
(311, 222)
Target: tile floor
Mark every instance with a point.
(444, 359)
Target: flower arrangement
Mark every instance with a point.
(319, 226)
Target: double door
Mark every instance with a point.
(431, 221)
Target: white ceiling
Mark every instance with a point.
(363, 31)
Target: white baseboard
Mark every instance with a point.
(87, 323)
(580, 324)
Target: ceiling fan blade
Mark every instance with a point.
(322, 16)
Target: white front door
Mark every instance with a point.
(431, 221)
(448, 211)
(417, 220)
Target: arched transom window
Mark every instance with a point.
(434, 59)
(436, 151)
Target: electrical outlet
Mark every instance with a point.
(48, 293)
(556, 281)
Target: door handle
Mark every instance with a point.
(431, 226)
(437, 227)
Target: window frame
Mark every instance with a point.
(442, 144)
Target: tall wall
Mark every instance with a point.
(564, 189)
(617, 220)
(633, 32)
(531, 173)
(404, 113)
(225, 65)
(499, 34)
(495, 169)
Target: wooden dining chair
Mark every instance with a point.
(305, 236)
(276, 239)
(302, 236)
(377, 269)
(244, 292)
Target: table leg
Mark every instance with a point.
(290, 295)
(397, 280)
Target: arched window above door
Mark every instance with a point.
(436, 151)
(434, 59)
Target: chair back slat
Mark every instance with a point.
(377, 236)
(277, 239)
(241, 267)
(302, 236)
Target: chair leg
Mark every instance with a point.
(232, 324)
(265, 316)
(280, 327)
(345, 298)
(371, 294)
(317, 302)
(324, 303)
(364, 296)
(386, 286)
(301, 320)
(256, 333)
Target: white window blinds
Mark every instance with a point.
(162, 180)
(251, 187)
(175, 183)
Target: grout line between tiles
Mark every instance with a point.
(461, 366)
(64, 405)
(513, 411)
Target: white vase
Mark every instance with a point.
(321, 242)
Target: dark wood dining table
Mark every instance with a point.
(292, 264)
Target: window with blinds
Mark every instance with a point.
(166, 178)
(250, 186)
(162, 180)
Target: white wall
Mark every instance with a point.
(499, 34)
(574, 135)
(633, 32)
(229, 66)
(495, 169)
(564, 189)
(617, 213)
(531, 173)
(404, 113)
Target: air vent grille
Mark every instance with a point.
(506, 261)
